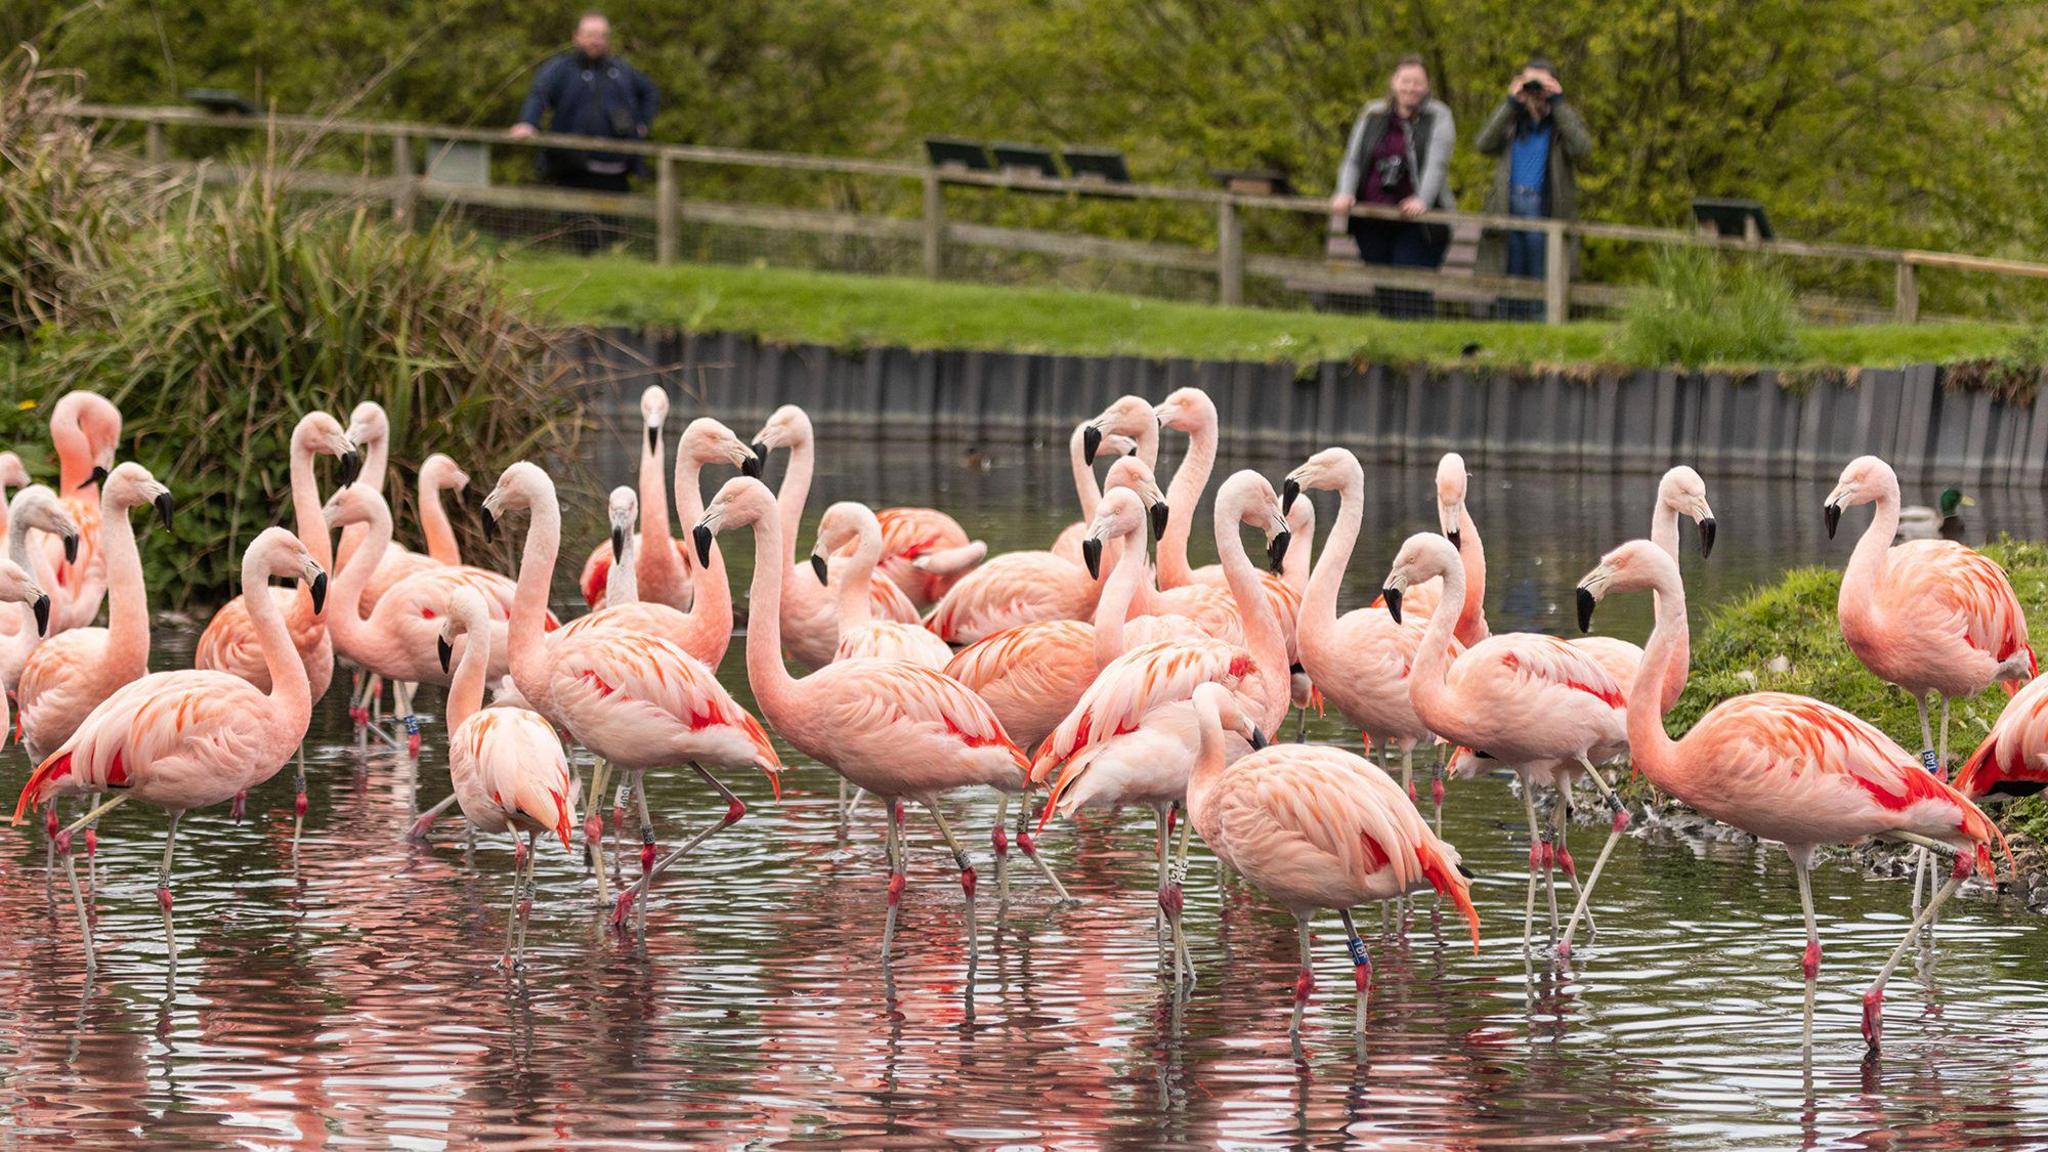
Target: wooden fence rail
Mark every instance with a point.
(405, 188)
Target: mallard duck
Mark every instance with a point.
(1919, 522)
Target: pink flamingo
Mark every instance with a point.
(1524, 699)
(13, 474)
(33, 509)
(1086, 489)
(925, 552)
(634, 699)
(1786, 768)
(1186, 410)
(2013, 760)
(622, 582)
(18, 587)
(369, 429)
(850, 527)
(70, 673)
(1314, 827)
(231, 644)
(810, 620)
(663, 570)
(1680, 493)
(1454, 519)
(895, 729)
(85, 428)
(507, 765)
(439, 473)
(185, 740)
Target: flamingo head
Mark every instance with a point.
(743, 502)
(522, 485)
(355, 504)
(1633, 567)
(1248, 498)
(1866, 480)
(847, 522)
(39, 508)
(1128, 416)
(467, 616)
(1685, 493)
(1423, 557)
(18, 586)
(1219, 708)
(319, 433)
(369, 425)
(1120, 516)
(623, 509)
(276, 553)
(1186, 410)
(131, 486)
(706, 441)
(13, 473)
(788, 427)
(1129, 472)
(654, 414)
(440, 473)
(1451, 484)
(1328, 470)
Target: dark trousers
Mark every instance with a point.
(587, 234)
(1525, 252)
(1400, 244)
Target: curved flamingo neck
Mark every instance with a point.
(1664, 528)
(655, 540)
(1261, 628)
(854, 609)
(466, 688)
(1127, 578)
(1190, 479)
(1208, 766)
(1326, 580)
(345, 613)
(796, 488)
(774, 688)
(74, 452)
(525, 632)
(1147, 438)
(1427, 678)
(1650, 746)
(1086, 486)
(1858, 606)
(376, 467)
(127, 602)
(307, 519)
(1472, 558)
(288, 684)
(435, 528)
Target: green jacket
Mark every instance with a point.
(1570, 146)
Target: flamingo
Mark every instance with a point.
(1186, 410)
(925, 552)
(69, 674)
(1524, 699)
(230, 643)
(634, 699)
(18, 587)
(85, 428)
(1454, 520)
(622, 583)
(1934, 617)
(369, 429)
(663, 570)
(439, 473)
(13, 474)
(810, 622)
(1786, 768)
(2013, 760)
(507, 765)
(893, 728)
(33, 509)
(185, 740)
(1086, 489)
(852, 525)
(1314, 827)
(1680, 493)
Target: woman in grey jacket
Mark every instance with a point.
(1399, 156)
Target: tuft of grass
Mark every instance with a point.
(1701, 309)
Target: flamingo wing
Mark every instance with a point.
(1965, 588)
(1137, 682)
(1032, 657)
(606, 677)
(1015, 588)
(520, 766)
(1539, 663)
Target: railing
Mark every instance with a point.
(934, 233)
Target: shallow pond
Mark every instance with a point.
(352, 996)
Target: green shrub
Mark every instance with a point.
(1700, 308)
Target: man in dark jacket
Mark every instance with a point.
(1540, 140)
(587, 91)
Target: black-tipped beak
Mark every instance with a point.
(1706, 537)
(618, 543)
(1258, 738)
(42, 607)
(163, 509)
(1290, 491)
(654, 439)
(1457, 539)
(445, 651)
(701, 536)
(71, 548)
(351, 467)
(1276, 552)
(1832, 514)
(1091, 442)
(1091, 555)
(99, 476)
(1393, 598)
(490, 525)
(1586, 605)
(1464, 871)
(823, 570)
(1162, 513)
(319, 591)
(751, 467)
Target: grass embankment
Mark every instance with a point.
(1792, 623)
(861, 311)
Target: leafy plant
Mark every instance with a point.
(1701, 309)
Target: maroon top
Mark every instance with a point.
(1388, 178)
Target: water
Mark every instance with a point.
(353, 998)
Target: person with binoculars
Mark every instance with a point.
(1540, 141)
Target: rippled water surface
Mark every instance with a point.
(352, 996)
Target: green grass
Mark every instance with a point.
(861, 311)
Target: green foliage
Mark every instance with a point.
(1700, 308)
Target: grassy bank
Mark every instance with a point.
(1791, 625)
(857, 311)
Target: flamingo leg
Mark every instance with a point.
(163, 895)
(1361, 970)
(1175, 897)
(898, 875)
(1300, 725)
(1873, 999)
(92, 852)
(622, 796)
(512, 913)
(1922, 860)
(966, 864)
(1563, 818)
(426, 819)
(1436, 792)
(1028, 844)
(593, 826)
(299, 801)
(734, 809)
(1535, 859)
(1164, 837)
(647, 853)
(524, 895)
(999, 842)
(1810, 962)
(1305, 983)
(1618, 822)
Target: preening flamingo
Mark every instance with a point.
(925, 552)
(18, 587)
(33, 509)
(1524, 699)
(1315, 827)
(507, 764)
(635, 700)
(893, 728)
(85, 428)
(1086, 488)
(1786, 768)
(185, 740)
(70, 673)
(663, 570)
(810, 609)
(853, 529)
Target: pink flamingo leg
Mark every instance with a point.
(1535, 862)
(967, 882)
(520, 852)
(1873, 1000)
(62, 841)
(1618, 823)
(299, 801)
(163, 896)
(525, 895)
(1160, 928)
(1028, 844)
(425, 823)
(593, 828)
(1304, 983)
(898, 877)
(999, 843)
(1361, 972)
(734, 810)
(1809, 964)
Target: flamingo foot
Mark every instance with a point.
(1810, 963)
(1873, 1017)
(163, 897)
(896, 884)
(1564, 951)
(420, 827)
(622, 908)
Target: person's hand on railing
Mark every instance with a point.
(1413, 206)
(523, 131)
(1341, 204)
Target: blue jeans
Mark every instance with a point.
(1525, 249)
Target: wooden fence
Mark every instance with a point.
(405, 187)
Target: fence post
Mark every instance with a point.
(153, 141)
(1229, 254)
(1557, 273)
(934, 225)
(404, 185)
(666, 223)
(1906, 294)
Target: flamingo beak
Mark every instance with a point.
(618, 543)
(351, 467)
(1832, 516)
(490, 523)
(1091, 555)
(759, 463)
(99, 476)
(319, 591)
(1258, 738)
(1290, 491)
(701, 536)
(1456, 538)
(1161, 514)
(71, 548)
(42, 607)
(163, 509)
(445, 651)
(1587, 602)
(1091, 443)
(1393, 598)
(818, 566)
(1276, 552)
(654, 439)
(1706, 537)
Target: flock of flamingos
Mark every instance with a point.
(1103, 670)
